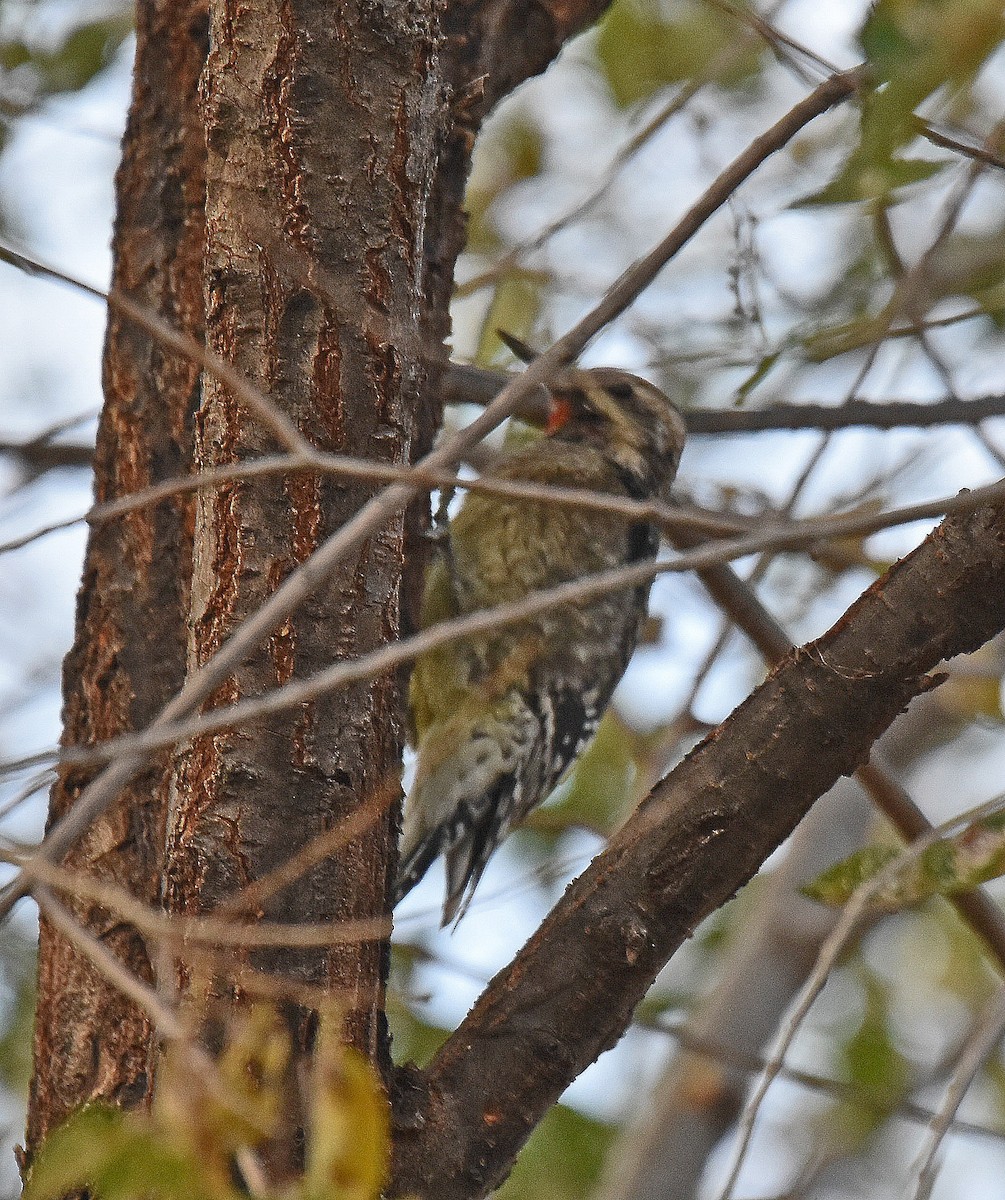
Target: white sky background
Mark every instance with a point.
(56, 186)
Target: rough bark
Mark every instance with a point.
(702, 834)
(128, 653)
(325, 125)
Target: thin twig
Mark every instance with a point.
(141, 994)
(164, 732)
(165, 1020)
(260, 404)
(667, 516)
(979, 1046)
(827, 956)
(886, 1102)
(466, 384)
(213, 930)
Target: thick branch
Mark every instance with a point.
(702, 833)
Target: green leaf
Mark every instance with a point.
(18, 972)
(602, 785)
(644, 46)
(349, 1146)
(85, 52)
(14, 54)
(874, 180)
(117, 1156)
(413, 1040)
(871, 1061)
(515, 305)
(915, 48)
(562, 1160)
(759, 373)
(949, 866)
(504, 157)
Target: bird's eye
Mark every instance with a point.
(622, 390)
(590, 415)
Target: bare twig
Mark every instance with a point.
(166, 1020)
(884, 1101)
(140, 314)
(164, 733)
(979, 1046)
(476, 385)
(215, 930)
(828, 955)
(667, 516)
(41, 453)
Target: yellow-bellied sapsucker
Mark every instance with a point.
(497, 718)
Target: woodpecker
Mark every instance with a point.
(497, 719)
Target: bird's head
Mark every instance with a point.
(627, 417)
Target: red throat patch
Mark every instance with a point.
(558, 414)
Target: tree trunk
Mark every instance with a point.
(128, 655)
(325, 128)
(294, 198)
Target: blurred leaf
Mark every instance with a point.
(659, 1007)
(14, 54)
(562, 1159)
(413, 1039)
(18, 971)
(117, 1156)
(503, 158)
(515, 305)
(838, 554)
(961, 966)
(652, 630)
(522, 147)
(994, 1077)
(185, 1146)
(972, 697)
(602, 784)
(349, 1146)
(871, 1061)
(949, 866)
(252, 1069)
(872, 178)
(830, 341)
(758, 375)
(915, 47)
(87, 50)
(643, 46)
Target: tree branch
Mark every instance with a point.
(466, 384)
(702, 833)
